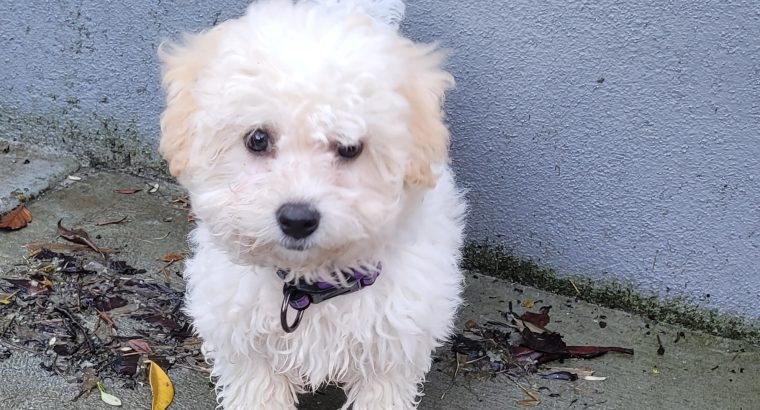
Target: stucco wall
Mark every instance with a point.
(616, 140)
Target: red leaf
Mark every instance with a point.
(140, 346)
(588, 352)
(538, 319)
(32, 287)
(543, 342)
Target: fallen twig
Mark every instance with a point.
(81, 328)
(64, 247)
(111, 222)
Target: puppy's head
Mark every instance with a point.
(301, 134)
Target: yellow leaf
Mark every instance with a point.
(5, 298)
(160, 386)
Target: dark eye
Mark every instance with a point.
(258, 140)
(350, 151)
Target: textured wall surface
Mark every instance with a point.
(617, 140)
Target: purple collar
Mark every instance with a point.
(300, 295)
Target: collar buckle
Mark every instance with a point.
(300, 295)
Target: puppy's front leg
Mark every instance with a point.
(393, 391)
(249, 383)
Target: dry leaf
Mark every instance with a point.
(160, 386)
(527, 303)
(595, 378)
(89, 382)
(32, 287)
(173, 257)
(16, 219)
(140, 346)
(5, 298)
(127, 191)
(532, 402)
(183, 201)
(520, 324)
(77, 236)
(108, 398)
(539, 319)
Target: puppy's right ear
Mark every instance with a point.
(181, 65)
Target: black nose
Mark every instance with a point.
(298, 220)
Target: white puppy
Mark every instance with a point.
(311, 140)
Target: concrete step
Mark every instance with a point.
(27, 171)
(698, 372)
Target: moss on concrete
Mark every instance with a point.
(95, 141)
(497, 261)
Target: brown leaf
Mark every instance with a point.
(182, 201)
(127, 191)
(141, 346)
(527, 303)
(16, 219)
(173, 257)
(521, 324)
(77, 236)
(89, 382)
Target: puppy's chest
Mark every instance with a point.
(331, 343)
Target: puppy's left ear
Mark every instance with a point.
(181, 65)
(424, 91)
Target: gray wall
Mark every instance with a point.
(617, 140)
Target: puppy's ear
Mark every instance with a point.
(424, 91)
(181, 65)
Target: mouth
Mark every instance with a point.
(295, 245)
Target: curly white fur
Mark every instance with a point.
(315, 78)
(390, 12)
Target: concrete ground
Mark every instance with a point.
(697, 372)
